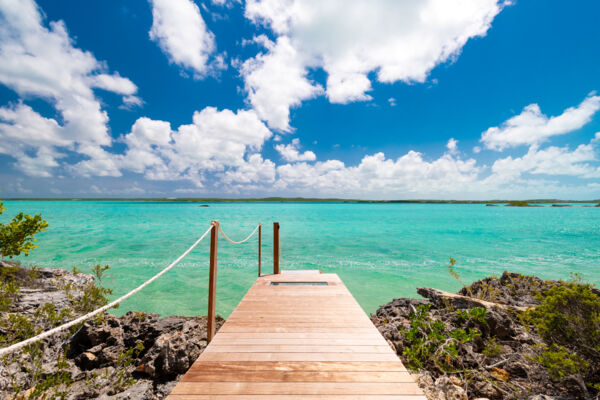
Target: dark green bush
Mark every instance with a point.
(17, 236)
(569, 315)
(568, 319)
(433, 344)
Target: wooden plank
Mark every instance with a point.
(352, 357)
(297, 366)
(297, 329)
(296, 376)
(284, 348)
(234, 340)
(298, 342)
(294, 397)
(296, 388)
(325, 336)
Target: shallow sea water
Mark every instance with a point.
(381, 251)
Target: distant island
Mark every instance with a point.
(512, 203)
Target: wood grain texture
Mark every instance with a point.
(294, 397)
(298, 342)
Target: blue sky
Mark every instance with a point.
(452, 99)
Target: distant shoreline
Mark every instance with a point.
(300, 200)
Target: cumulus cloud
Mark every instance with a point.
(181, 33)
(349, 39)
(291, 152)
(41, 62)
(276, 81)
(452, 146)
(254, 171)
(215, 141)
(555, 161)
(532, 127)
(404, 177)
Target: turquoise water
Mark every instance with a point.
(381, 251)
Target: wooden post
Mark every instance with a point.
(212, 281)
(275, 247)
(259, 246)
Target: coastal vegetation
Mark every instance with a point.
(507, 337)
(138, 355)
(519, 204)
(18, 236)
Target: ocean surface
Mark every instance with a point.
(381, 251)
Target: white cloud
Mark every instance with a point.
(215, 141)
(555, 161)
(532, 127)
(291, 152)
(41, 62)
(254, 171)
(227, 3)
(452, 146)
(114, 83)
(349, 39)
(31, 139)
(276, 81)
(392, 102)
(404, 177)
(181, 33)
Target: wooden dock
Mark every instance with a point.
(298, 336)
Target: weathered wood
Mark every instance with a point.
(276, 248)
(259, 248)
(442, 298)
(212, 282)
(297, 376)
(296, 397)
(250, 366)
(296, 388)
(298, 342)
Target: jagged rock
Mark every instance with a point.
(104, 349)
(486, 390)
(141, 390)
(511, 289)
(445, 385)
(508, 369)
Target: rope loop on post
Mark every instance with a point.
(241, 241)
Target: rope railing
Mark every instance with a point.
(241, 241)
(214, 226)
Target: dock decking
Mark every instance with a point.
(298, 336)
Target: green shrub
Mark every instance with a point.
(492, 348)
(433, 344)
(8, 294)
(561, 363)
(568, 319)
(17, 236)
(569, 315)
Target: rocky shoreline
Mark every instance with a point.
(482, 343)
(136, 356)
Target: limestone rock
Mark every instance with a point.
(446, 385)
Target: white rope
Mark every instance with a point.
(241, 241)
(44, 335)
